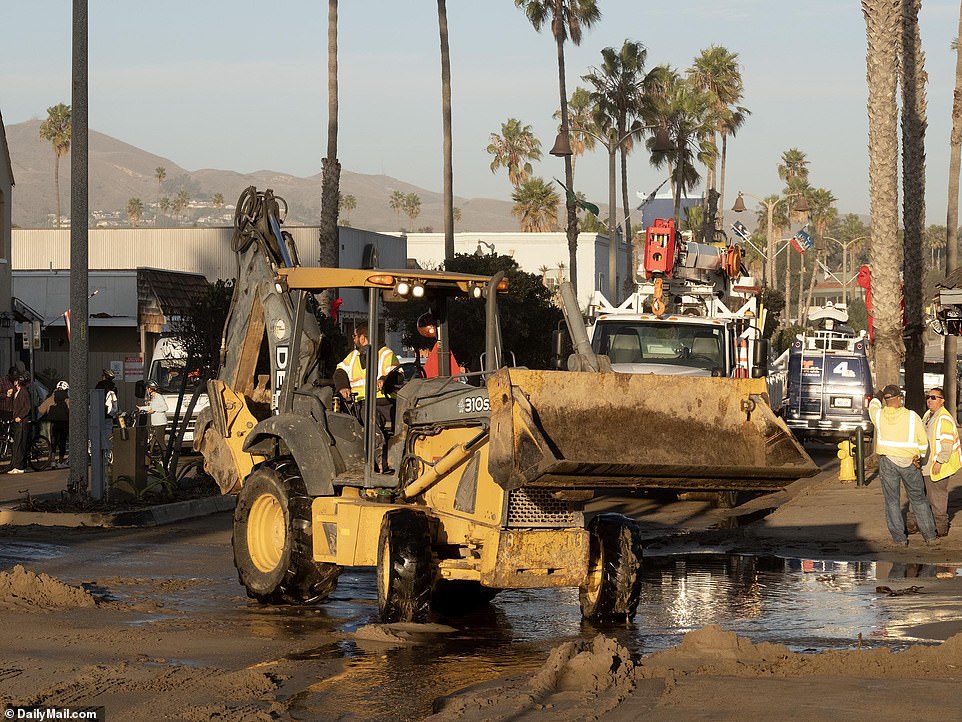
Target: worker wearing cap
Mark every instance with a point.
(157, 408)
(944, 459)
(900, 443)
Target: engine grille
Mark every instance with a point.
(534, 507)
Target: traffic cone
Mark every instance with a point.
(741, 371)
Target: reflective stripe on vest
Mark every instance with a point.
(905, 442)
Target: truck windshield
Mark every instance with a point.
(641, 342)
(169, 375)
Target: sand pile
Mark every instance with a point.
(22, 589)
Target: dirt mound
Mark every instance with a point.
(21, 589)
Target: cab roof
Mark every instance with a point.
(316, 278)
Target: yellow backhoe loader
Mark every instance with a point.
(491, 471)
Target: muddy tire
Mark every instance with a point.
(613, 585)
(461, 595)
(405, 573)
(273, 546)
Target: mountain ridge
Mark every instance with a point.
(119, 171)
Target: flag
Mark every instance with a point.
(802, 241)
(577, 202)
(738, 228)
(66, 320)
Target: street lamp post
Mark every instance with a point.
(845, 245)
(770, 206)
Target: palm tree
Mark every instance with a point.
(330, 166)
(160, 173)
(715, 72)
(396, 202)
(580, 115)
(684, 111)
(536, 206)
(165, 206)
(448, 189)
(218, 200)
(619, 86)
(456, 214)
(135, 208)
(346, 205)
(952, 212)
(912, 81)
(882, 23)
(514, 149)
(567, 18)
(181, 201)
(56, 129)
(793, 169)
(823, 212)
(412, 207)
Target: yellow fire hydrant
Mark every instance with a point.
(846, 466)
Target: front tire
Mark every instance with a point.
(405, 574)
(272, 539)
(613, 586)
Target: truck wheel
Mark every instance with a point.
(613, 585)
(404, 567)
(273, 546)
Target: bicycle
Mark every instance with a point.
(39, 451)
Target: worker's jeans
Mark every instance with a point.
(892, 476)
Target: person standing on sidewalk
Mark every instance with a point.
(21, 407)
(56, 407)
(944, 460)
(157, 408)
(900, 444)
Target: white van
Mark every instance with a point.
(168, 367)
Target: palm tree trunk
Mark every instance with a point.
(788, 283)
(913, 191)
(330, 167)
(629, 246)
(56, 183)
(721, 184)
(882, 21)
(446, 123)
(811, 290)
(952, 215)
(570, 214)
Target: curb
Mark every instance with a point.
(149, 516)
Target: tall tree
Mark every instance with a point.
(514, 149)
(218, 200)
(135, 209)
(882, 26)
(823, 213)
(448, 190)
(412, 207)
(793, 169)
(912, 80)
(396, 202)
(56, 130)
(567, 18)
(160, 173)
(952, 210)
(618, 86)
(328, 250)
(347, 205)
(536, 206)
(715, 72)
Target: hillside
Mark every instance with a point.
(119, 171)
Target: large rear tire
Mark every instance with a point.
(405, 574)
(613, 586)
(272, 540)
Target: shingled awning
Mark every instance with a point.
(164, 296)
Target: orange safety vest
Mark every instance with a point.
(351, 365)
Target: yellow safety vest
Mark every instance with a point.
(351, 365)
(898, 432)
(942, 427)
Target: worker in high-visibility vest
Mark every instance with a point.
(944, 460)
(349, 379)
(900, 444)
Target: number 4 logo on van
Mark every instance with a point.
(842, 369)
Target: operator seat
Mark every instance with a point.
(625, 348)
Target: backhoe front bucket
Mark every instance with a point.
(573, 429)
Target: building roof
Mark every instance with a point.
(166, 295)
(5, 151)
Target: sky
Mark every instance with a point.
(242, 85)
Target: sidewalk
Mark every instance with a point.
(48, 485)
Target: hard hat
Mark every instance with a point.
(427, 326)
(63, 386)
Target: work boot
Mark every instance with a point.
(911, 526)
(942, 530)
